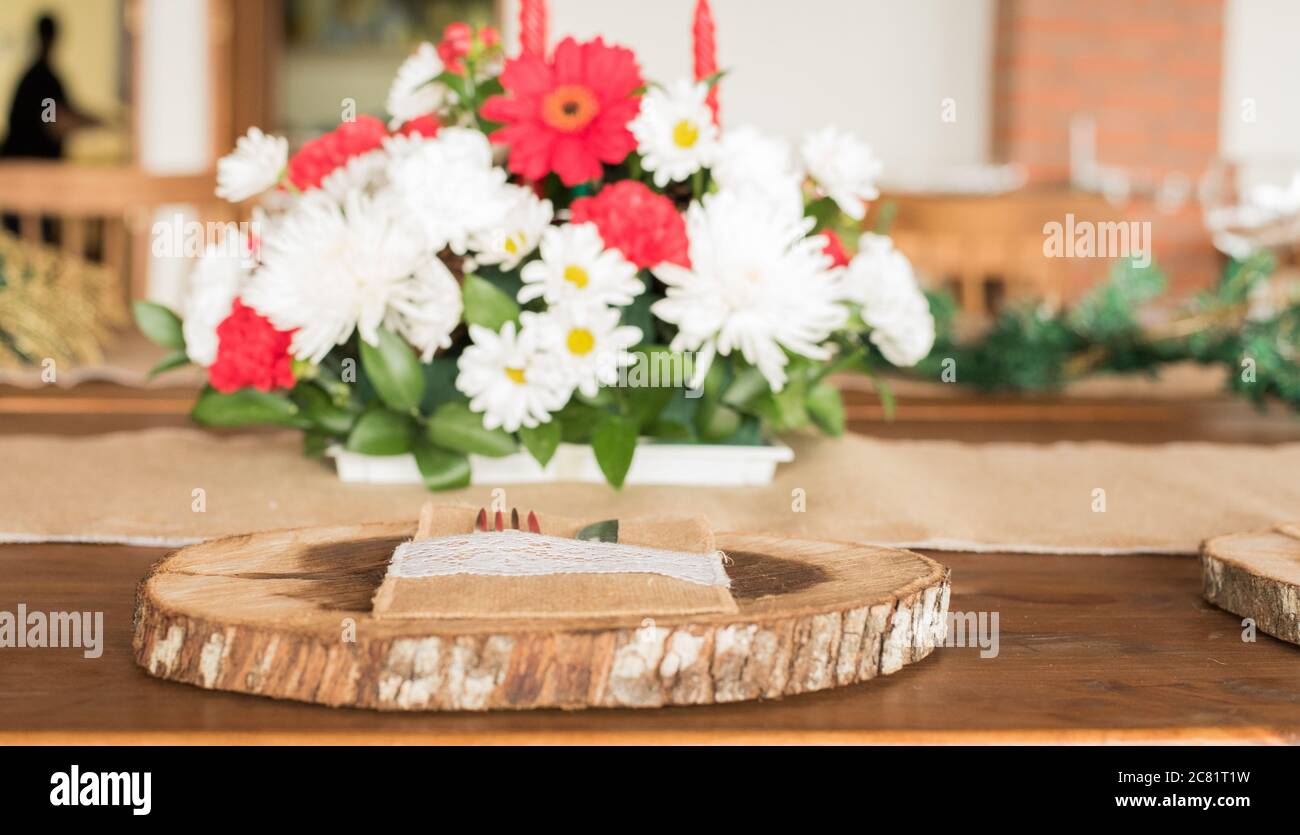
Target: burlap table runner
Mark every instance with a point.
(558, 595)
(175, 486)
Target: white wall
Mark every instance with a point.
(880, 68)
(1261, 69)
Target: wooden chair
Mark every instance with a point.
(102, 213)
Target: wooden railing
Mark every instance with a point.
(102, 213)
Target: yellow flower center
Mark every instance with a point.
(514, 243)
(685, 134)
(581, 341)
(576, 276)
(516, 376)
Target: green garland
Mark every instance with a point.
(1030, 349)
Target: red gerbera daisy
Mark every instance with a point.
(569, 114)
(317, 159)
(250, 352)
(646, 227)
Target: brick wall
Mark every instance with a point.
(1148, 71)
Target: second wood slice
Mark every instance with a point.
(1256, 575)
(287, 614)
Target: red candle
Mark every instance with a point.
(532, 28)
(706, 50)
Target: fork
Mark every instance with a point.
(481, 523)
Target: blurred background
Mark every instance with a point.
(992, 117)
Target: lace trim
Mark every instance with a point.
(519, 554)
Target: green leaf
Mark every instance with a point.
(441, 469)
(578, 421)
(453, 426)
(605, 531)
(786, 410)
(614, 442)
(159, 324)
(394, 371)
(439, 384)
(671, 430)
(381, 432)
(543, 440)
(485, 305)
(246, 407)
(746, 388)
(319, 408)
(173, 360)
(715, 422)
(826, 408)
(315, 443)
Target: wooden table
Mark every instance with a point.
(1091, 648)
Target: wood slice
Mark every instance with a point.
(1256, 575)
(287, 614)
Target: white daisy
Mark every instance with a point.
(219, 276)
(510, 379)
(576, 267)
(881, 280)
(759, 167)
(450, 187)
(675, 132)
(757, 284)
(588, 341)
(518, 233)
(844, 168)
(330, 269)
(426, 308)
(256, 164)
(414, 92)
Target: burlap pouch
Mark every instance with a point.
(561, 595)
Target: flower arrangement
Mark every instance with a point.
(494, 265)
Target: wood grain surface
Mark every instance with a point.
(1091, 649)
(1256, 575)
(287, 614)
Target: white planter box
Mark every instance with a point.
(694, 465)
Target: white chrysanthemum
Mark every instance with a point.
(759, 167)
(518, 233)
(756, 284)
(217, 280)
(588, 341)
(331, 268)
(510, 379)
(426, 308)
(450, 187)
(414, 92)
(675, 132)
(844, 168)
(365, 173)
(576, 267)
(881, 280)
(255, 165)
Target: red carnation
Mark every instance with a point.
(568, 114)
(250, 352)
(426, 125)
(457, 40)
(835, 249)
(646, 227)
(321, 156)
